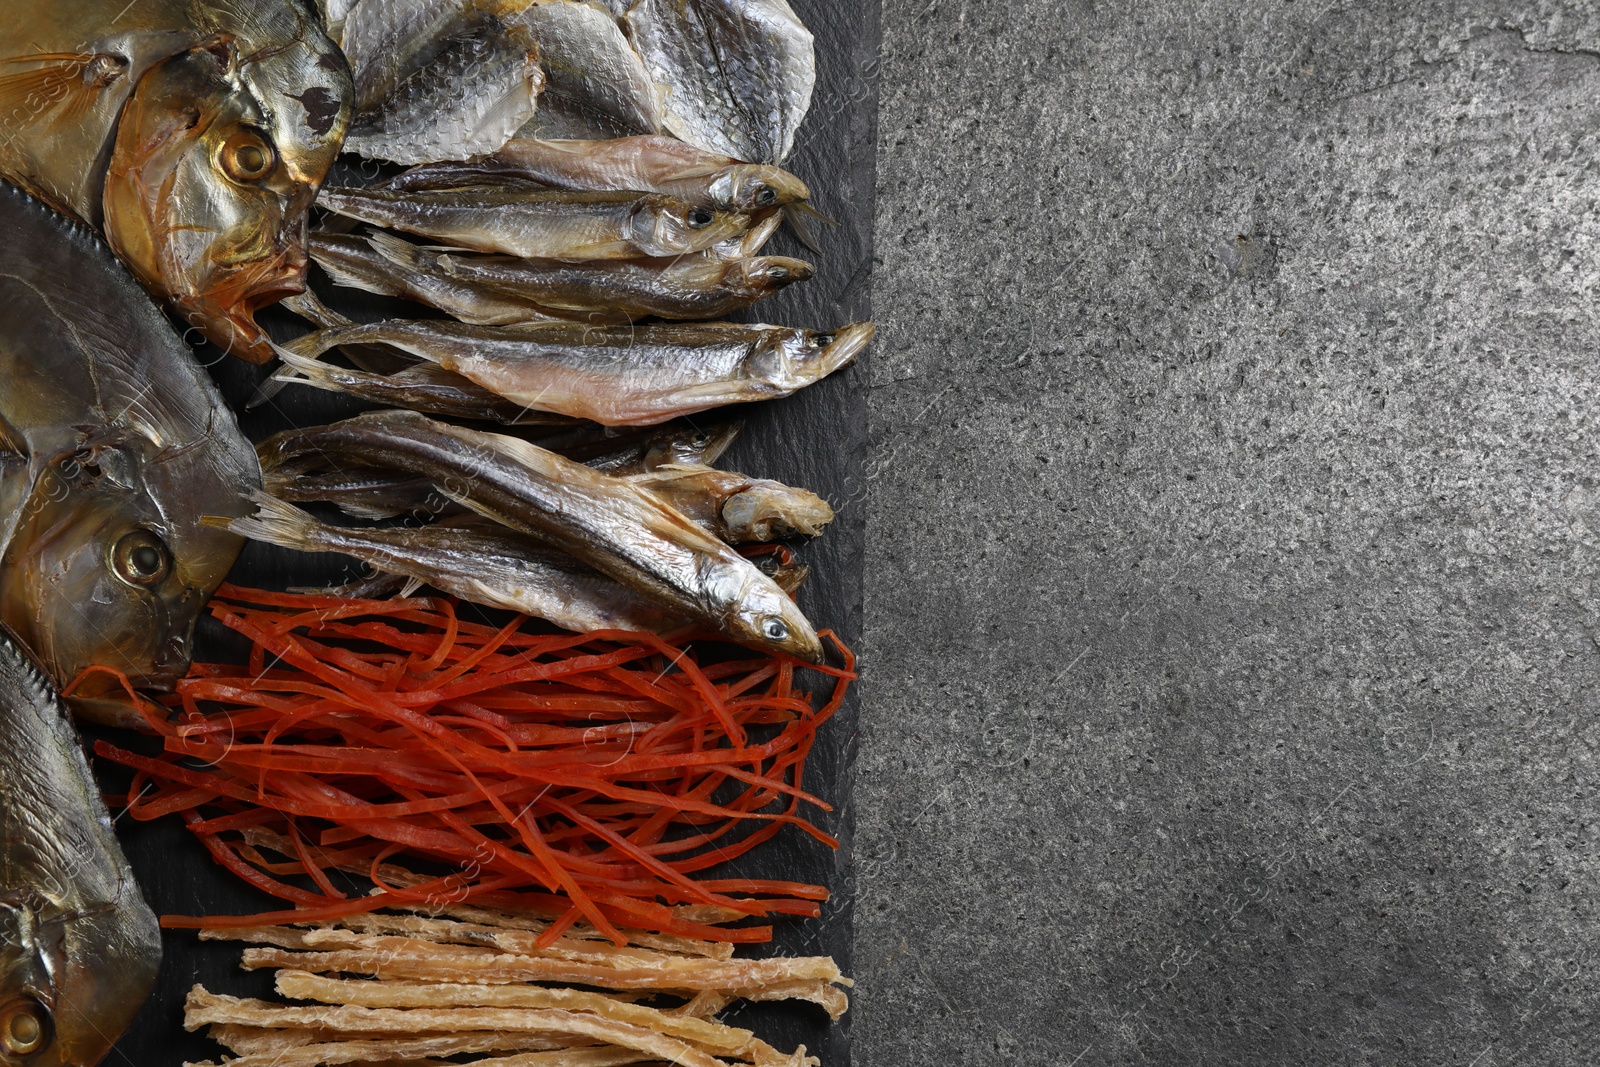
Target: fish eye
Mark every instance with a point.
(767, 196)
(822, 340)
(778, 274)
(24, 1027)
(247, 156)
(775, 630)
(141, 558)
(700, 218)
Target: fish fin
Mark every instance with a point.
(411, 587)
(277, 523)
(804, 219)
(64, 85)
(311, 308)
(396, 250)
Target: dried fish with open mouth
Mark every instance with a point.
(545, 224)
(500, 291)
(615, 527)
(113, 440)
(475, 559)
(470, 99)
(596, 85)
(613, 375)
(79, 948)
(193, 135)
(738, 74)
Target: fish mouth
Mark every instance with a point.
(99, 697)
(226, 311)
(848, 343)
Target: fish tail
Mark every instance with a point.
(277, 522)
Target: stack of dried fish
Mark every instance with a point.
(584, 279)
(478, 982)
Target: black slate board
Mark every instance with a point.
(817, 439)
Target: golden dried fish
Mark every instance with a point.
(193, 135)
(738, 75)
(541, 224)
(613, 526)
(737, 508)
(79, 948)
(477, 560)
(596, 85)
(643, 164)
(499, 290)
(613, 375)
(112, 439)
(470, 99)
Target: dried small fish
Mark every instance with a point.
(737, 508)
(642, 164)
(499, 290)
(388, 266)
(476, 560)
(596, 85)
(738, 74)
(424, 387)
(622, 454)
(470, 99)
(613, 375)
(539, 224)
(617, 528)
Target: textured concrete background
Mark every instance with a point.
(1235, 537)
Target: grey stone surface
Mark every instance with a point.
(1234, 537)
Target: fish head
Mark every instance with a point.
(762, 276)
(767, 511)
(667, 226)
(70, 985)
(110, 566)
(217, 162)
(753, 187)
(793, 359)
(762, 615)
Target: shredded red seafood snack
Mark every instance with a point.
(593, 777)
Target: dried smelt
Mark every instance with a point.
(543, 224)
(613, 375)
(384, 264)
(738, 75)
(469, 100)
(615, 527)
(596, 85)
(501, 290)
(643, 164)
(424, 387)
(737, 508)
(476, 560)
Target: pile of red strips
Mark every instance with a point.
(591, 777)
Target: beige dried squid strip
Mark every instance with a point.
(203, 1008)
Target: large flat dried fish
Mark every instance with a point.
(468, 100)
(738, 74)
(596, 85)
